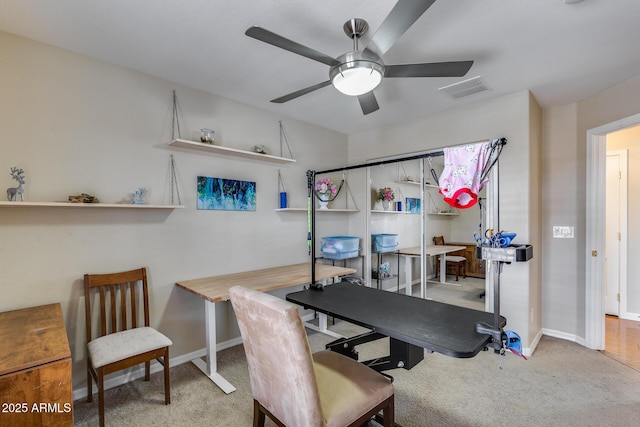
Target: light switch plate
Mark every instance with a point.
(563, 232)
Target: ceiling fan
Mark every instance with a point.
(358, 72)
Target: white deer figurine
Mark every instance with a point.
(12, 193)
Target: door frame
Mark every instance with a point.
(596, 150)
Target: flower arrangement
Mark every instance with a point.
(386, 193)
(325, 188)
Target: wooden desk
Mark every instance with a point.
(35, 368)
(430, 250)
(216, 289)
(475, 267)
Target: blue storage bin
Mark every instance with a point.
(381, 243)
(340, 247)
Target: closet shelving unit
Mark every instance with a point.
(497, 256)
(429, 186)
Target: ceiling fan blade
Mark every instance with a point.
(274, 39)
(433, 69)
(399, 20)
(296, 94)
(368, 103)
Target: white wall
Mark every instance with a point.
(508, 116)
(78, 125)
(564, 199)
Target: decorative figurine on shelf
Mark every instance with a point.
(137, 197)
(83, 198)
(260, 149)
(12, 193)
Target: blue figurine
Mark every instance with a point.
(137, 198)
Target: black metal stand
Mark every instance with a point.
(401, 354)
(498, 257)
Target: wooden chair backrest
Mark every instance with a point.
(438, 240)
(119, 299)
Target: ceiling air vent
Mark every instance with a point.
(465, 88)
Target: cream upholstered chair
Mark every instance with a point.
(122, 342)
(294, 387)
(456, 263)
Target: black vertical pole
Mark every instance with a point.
(311, 236)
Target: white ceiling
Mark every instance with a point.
(561, 52)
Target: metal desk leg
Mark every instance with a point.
(210, 366)
(398, 268)
(408, 274)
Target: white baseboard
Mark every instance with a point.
(138, 372)
(631, 316)
(564, 336)
(528, 351)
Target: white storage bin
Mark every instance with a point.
(340, 247)
(381, 243)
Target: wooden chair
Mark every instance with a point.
(456, 264)
(122, 342)
(294, 387)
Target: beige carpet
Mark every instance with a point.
(563, 384)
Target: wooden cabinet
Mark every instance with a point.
(475, 266)
(35, 368)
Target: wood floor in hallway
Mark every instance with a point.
(622, 341)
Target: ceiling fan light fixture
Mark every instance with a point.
(356, 78)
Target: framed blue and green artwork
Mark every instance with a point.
(413, 205)
(226, 194)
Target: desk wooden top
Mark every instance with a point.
(31, 337)
(430, 250)
(215, 289)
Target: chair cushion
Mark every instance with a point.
(121, 345)
(347, 388)
(456, 258)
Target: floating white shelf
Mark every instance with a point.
(444, 213)
(228, 151)
(377, 211)
(317, 210)
(83, 205)
(416, 183)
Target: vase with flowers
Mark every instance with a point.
(325, 191)
(386, 196)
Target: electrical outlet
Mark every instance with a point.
(563, 232)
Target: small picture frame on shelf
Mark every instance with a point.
(413, 205)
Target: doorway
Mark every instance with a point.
(596, 215)
(616, 230)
